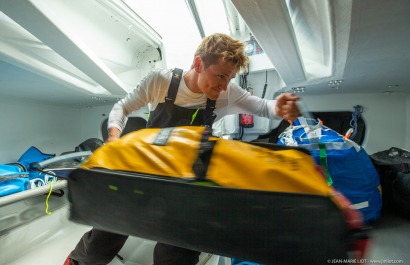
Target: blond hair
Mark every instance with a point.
(220, 46)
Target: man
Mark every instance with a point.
(176, 98)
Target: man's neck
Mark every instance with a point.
(191, 80)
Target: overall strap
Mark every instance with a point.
(209, 115)
(173, 86)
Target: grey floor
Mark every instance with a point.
(390, 239)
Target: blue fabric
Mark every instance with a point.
(12, 180)
(354, 176)
(11, 186)
(33, 155)
(9, 170)
(351, 170)
(301, 137)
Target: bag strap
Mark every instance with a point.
(200, 166)
(323, 162)
(206, 146)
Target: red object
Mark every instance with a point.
(246, 120)
(67, 261)
(354, 221)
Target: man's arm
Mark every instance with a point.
(113, 134)
(240, 101)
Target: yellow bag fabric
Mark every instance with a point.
(233, 163)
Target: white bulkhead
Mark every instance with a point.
(63, 64)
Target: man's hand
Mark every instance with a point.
(286, 106)
(113, 134)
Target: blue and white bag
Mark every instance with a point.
(13, 179)
(346, 164)
(33, 155)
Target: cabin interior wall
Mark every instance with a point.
(93, 117)
(52, 129)
(257, 81)
(56, 129)
(385, 116)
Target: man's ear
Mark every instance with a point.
(198, 64)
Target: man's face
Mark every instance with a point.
(215, 78)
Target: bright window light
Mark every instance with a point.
(173, 20)
(213, 17)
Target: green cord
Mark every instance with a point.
(194, 116)
(323, 162)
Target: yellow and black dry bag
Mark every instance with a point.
(258, 202)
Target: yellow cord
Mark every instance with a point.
(48, 196)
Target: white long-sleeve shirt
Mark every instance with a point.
(153, 89)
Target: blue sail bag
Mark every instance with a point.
(347, 165)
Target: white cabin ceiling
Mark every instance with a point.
(84, 48)
(74, 52)
(313, 42)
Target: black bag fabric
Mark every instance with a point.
(265, 227)
(183, 187)
(393, 167)
(89, 145)
(401, 193)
